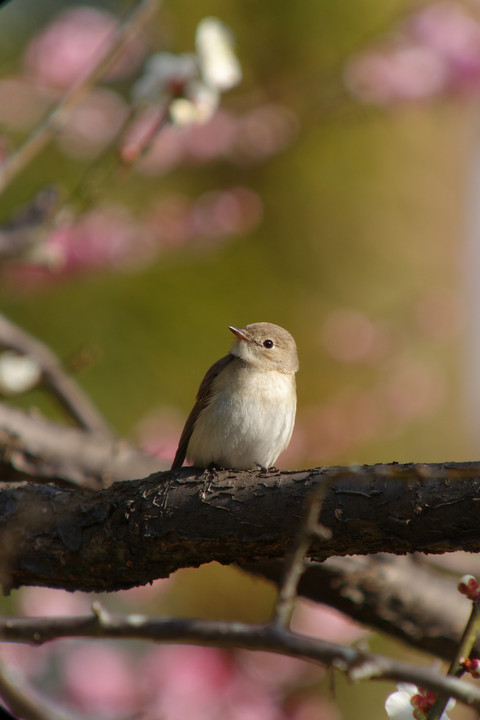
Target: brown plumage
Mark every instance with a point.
(245, 407)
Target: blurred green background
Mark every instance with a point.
(362, 215)
(360, 254)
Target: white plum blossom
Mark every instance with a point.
(219, 66)
(198, 108)
(412, 703)
(163, 71)
(18, 373)
(189, 85)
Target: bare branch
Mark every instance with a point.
(56, 120)
(357, 664)
(65, 389)
(401, 596)
(295, 565)
(33, 446)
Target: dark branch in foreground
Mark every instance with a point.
(357, 664)
(134, 532)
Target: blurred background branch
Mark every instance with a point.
(105, 57)
(357, 664)
(52, 375)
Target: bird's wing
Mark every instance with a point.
(203, 396)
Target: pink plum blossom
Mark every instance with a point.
(50, 602)
(326, 623)
(436, 51)
(73, 43)
(447, 28)
(403, 72)
(102, 238)
(158, 433)
(101, 679)
(93, 124)
(242, 139)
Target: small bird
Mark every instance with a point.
(245, 407)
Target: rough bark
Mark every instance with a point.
(134, 532)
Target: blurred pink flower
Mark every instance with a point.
(272, 670)
(213, 216)
(326, 623)
(32, 662)
(264, 131)
(314, 708)
(49, 602)
(93, 124)
(447, 28)
(159, 432)
(406, 71)
(213, 684)
(414, 389)
(186, 681)
(71, 45)
(351, 336)
(102, 238)
(229, 212)
(296, 450)
(101, 679)
(436, 51)
(155, 151)
(244, 139)
(212, 140)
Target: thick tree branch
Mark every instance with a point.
(134, 532)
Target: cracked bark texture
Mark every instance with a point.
(133, 532)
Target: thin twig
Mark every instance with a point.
(56, 120)
(65, 389)
(464, 649)
(295, 564)
(356, 664)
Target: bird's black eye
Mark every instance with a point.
(268, 344)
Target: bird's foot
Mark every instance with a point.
(272, 469)
(209, 475)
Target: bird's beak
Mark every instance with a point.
(239, 334)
